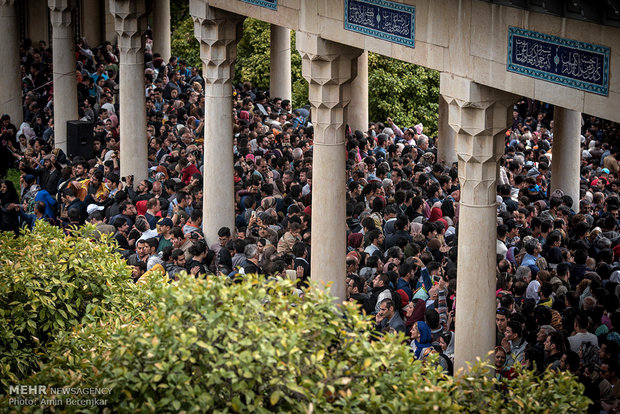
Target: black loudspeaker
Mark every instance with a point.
(80, 139)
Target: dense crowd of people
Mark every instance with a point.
(557, 258)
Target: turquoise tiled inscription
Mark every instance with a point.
(270, 4)
(555, 59)
(383, 19)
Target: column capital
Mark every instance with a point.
(130, 25)
(329, 68)
(478, 115)
(61, 17)
(217, 32)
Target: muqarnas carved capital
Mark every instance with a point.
(130, 25)
(329, 68)
(218, 33)
(479, 128)
(60, 17)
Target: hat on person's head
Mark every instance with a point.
(249, 157)
(604, 171)
(48, 157)
(308, 210)
(557, 194)
(165, 222)
(586, 154)
(92, 208)
(29, 178)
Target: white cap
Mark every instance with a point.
(93, 207)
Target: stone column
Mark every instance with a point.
(479, 116)
(446, 151)
(10, 82)
(130, 24)
(280, 77)
(328, 67)
(218, 33)
(566, 153)
(65, 80)
(358, 108)
(161, 28)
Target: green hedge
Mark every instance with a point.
(211, 345)
(50, 285)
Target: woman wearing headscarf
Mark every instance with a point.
(414, 311)
(501, 371)
(9, 200)
(354, 241)
(436, 214)
(446, 352)
(415, 228)
(421, 340)
(267, 203)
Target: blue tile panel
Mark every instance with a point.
(383, 19)
(579, 65)
(269, 4)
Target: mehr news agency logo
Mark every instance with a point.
(22, 395)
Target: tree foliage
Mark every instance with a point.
(184, 44)
(253, 60)
(51, 284)
(407, 93)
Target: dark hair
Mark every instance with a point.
(223, 232)
(432, 318)
(515, 327)
(389, 303)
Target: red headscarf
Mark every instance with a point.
(419, 311)
(436, 214)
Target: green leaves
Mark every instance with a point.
(407, 93)
(39, 298)
(183, 43)
(249, 346)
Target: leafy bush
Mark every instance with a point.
(551, 392)
(70, 316)
(211, 345)
(51, 284)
